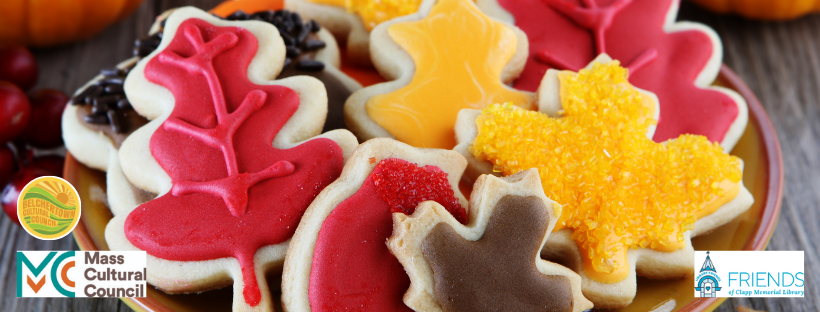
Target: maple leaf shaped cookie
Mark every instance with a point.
(446, 57)
(233, 155)
(493, 262)
(338, 259)
(630, 205)
(678, 61)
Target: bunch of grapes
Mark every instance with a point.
(27, 122)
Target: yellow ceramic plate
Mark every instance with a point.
(763, 175)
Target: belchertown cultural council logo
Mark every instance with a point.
(48, 208)
(707, 279)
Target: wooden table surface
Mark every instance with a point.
(779, 61)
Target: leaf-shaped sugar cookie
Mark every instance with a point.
(441, 60)
(491, 264)
(629, 204)
(678, 61)
(226, 157)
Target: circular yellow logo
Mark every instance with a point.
(48, 208)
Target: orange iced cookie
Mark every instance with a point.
(626, 199)
(440, 61)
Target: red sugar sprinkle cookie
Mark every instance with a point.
(403, 185)
(338, 258)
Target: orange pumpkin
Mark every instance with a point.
(248, 6)
(774, 10)
(51, 22)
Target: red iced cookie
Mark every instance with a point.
(338, 258)
(678, 61)
(228, 157)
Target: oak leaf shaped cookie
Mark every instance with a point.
(629, 204)
(86, 136)
(491, 264)
(226, 156)
(338, 259)
(446, 57)
(678, 61)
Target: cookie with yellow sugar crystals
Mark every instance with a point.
(630, 205)
(493, 262)
(447, 57)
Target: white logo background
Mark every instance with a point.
(747, 273)
(83, 274)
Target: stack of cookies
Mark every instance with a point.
(520, 155)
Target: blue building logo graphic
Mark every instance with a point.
(707, 279)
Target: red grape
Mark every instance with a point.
(15, 111)
(45, 128)
(18, 66)
(9, 196)
(7, 161)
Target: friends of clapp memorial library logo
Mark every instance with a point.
(749, 274)
(81, 274)
(707, 280)
(48, 208)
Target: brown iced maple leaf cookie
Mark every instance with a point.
(505, 263)
(492, 263)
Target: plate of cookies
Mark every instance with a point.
(433, 155)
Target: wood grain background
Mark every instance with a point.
(779, 61)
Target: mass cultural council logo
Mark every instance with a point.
(81, 273)
(707, 280)
(749, 274)
(48, 208)
(45, 274)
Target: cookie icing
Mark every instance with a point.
(459, 55)
(120, 123)
(492, 263)
(497, 272)
(566, 35)
(232, 191)
(621, 191)
(352, 267)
